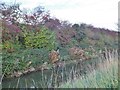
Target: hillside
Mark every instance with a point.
(27, 44)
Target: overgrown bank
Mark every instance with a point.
(26, 45)
(100, 72)
(105, 76)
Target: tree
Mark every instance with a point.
(76, 27)
(10, 13)
(36, 17)
(42, 39)
(83, 26)
(80, 36)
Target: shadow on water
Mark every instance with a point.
(50, 78)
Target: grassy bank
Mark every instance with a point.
(106, 76)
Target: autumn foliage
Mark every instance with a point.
(23, 32)
(54, 56)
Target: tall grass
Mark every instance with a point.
(96, 73)
(105, 76)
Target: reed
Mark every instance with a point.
(105, 76)
(99, 73)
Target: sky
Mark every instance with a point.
(100, 13)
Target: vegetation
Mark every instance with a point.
(44, 38)
(102, 74)
(28, 39)
(104, 77)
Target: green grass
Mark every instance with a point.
(106, 76)
(103, 75)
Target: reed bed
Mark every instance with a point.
(104, 76)
(99, 73)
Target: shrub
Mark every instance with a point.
(54, 56)
(42, 39)
(36, 56)
(10, 46)
(76, 53)
(18, 61)
(85, 43)
(80, 36)
(100, 43)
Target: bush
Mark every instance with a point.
(18, 61)
(36, 56)
(85, 43)
(10, 46)
(80, 36)
(100, 43)
(42, 39)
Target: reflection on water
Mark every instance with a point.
(48, 78)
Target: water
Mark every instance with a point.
(47, 78)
